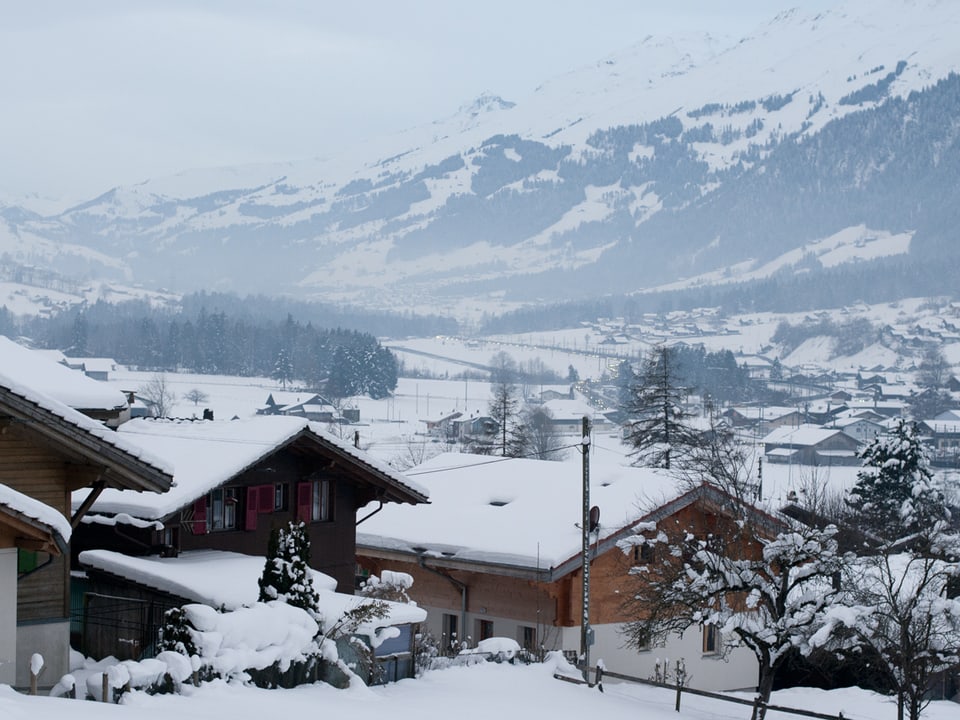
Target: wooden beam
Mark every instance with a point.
(98, 487)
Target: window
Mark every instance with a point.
(314, 503)
(169, 540)
(320, 509)
(29, 560)
(449, 633)
(222, 510)
(643, 554)
(280, 496)
(710, 640)
(484, 629)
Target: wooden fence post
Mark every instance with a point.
(36, 667)
(680, 673)
(105, 687)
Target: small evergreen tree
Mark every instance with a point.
(894, 495)
(176, 633)
(285, 576)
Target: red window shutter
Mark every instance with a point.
(304, 497)
(250, 511)
(200, 516)
(266, 498)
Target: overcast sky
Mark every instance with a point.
(98, 94)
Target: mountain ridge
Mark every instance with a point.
(667, 160)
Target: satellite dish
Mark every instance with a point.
(594, 518)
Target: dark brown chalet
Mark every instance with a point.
(47, 451)
(235, 481)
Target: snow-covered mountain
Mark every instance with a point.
(818, 141)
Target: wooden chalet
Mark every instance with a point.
(497, 553)
(47, 451)
(235, 481)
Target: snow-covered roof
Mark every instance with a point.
(782, 452)
(205, 454)
(43, 374)
(767, 413)
(849, 420)
(568, 410)
(226, 579)
(515, 512)
(316, 408)
(286, 398)
(24, 505)
(212, 577)
(93, 364)
(802, 435)
(29, 392)
(945, 427)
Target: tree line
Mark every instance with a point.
(339, 361)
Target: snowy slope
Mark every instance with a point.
(507, 188)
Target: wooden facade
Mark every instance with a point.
(303, 480)
(47, 451)
(542, 609)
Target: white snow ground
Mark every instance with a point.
(479, 692)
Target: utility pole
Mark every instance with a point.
(586, 632)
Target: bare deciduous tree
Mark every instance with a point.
(196, 396)
(158, 395)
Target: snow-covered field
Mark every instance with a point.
(479, 692)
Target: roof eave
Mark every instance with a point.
(125, 471)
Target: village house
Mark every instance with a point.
(762, 419)
(443, 427)
(497, 553)
(235, 481)
(861, 429)
(566, 417)
(309, 406)
(48, 449)
(93, 368)
(810, 445)
(943, 437)
(29, 526)
(477, 429)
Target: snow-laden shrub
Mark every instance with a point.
(496, 649)
(271, 644)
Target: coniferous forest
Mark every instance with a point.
(206, 339)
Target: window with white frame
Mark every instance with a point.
(711, 640)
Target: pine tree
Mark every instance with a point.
(894, 495)
(283, 368)
(285, 576)
(661, 432)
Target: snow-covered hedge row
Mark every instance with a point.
(270, 644)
